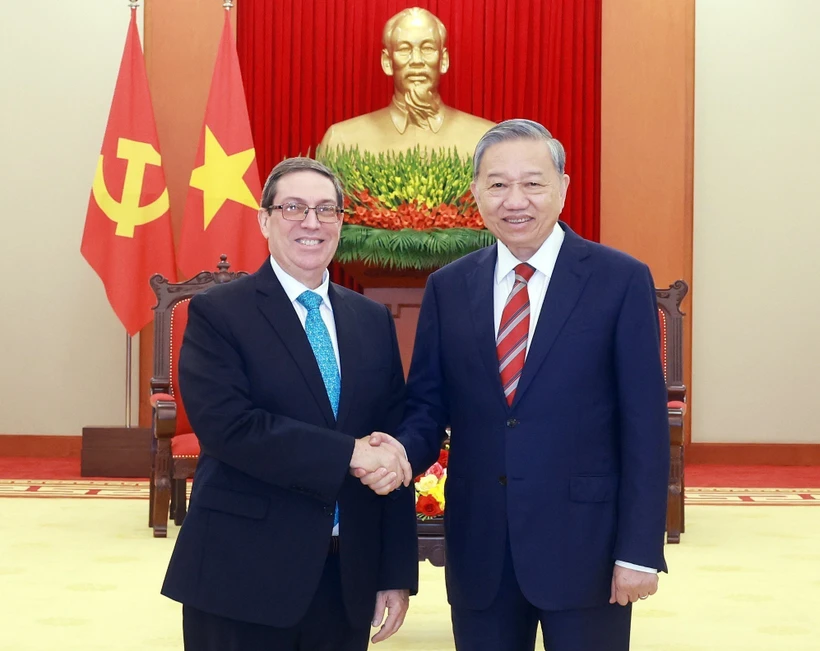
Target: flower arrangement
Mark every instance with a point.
(407, 210)
(430, 489)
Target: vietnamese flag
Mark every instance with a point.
(127, 236)
(221, 209)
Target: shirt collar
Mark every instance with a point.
(293, 288)
(543, 259)
(400, 117)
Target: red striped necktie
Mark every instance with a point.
(511, 343)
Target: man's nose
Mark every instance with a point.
(311, 220)
(516, 197)
(415, 56)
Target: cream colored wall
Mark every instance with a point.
(756, 354)
(63, 350)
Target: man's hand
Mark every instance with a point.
(385, 466)
(396, 602)
(380, 481)
(630, 585)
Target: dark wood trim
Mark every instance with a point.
(754, 454)
(116, 452)
(37, 445)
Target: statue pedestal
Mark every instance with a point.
(401, 291)
(369, 276)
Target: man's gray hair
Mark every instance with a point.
(297, 164)
(519, 129)
(390, 25)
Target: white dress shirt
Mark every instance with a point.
(543, 260)
(293, 288)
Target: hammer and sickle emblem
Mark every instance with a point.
(128, 214)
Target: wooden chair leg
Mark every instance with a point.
(162, 503)
(173, 510)
(682, 490)
(674, 511)
(180, 499)
(162, 488)
(151, 498)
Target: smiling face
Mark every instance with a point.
(520, 194)
(302, 248)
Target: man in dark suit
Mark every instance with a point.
(542, 355)
(283, 375)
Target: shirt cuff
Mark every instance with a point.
(639, 568)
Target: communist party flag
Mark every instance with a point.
(221, 208)
(127, 236)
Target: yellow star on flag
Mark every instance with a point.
(220, 177)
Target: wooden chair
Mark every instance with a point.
(174, 446)
(671, 321)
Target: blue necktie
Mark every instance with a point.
(322, 346)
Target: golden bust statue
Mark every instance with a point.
(415, 56)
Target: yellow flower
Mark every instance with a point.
(426, 484)
(438, 491)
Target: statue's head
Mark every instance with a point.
(414, 53)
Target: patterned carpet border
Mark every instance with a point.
(138, 490)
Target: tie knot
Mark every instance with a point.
(523, 272)
(311, 300)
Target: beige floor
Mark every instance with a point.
(84, 574)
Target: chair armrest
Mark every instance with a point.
(676, 410)
(165, 415)
(676, 393)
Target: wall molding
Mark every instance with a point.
(754, 454)
(37, 445)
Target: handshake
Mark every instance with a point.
(381, 463)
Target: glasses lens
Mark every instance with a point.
(327, 213)
(294, 210)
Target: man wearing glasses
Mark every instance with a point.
(283, 375)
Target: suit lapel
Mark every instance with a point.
(347, 334)
(480, 288)
(566, 285)
(275, 305)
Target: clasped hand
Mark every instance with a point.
(380, 461)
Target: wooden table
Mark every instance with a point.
(431, 541)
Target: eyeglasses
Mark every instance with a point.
(327, 213)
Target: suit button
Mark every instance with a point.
(512, 422)
(502, 480)
(329, 510)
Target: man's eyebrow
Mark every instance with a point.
(504, 175)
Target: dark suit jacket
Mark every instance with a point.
(274, 461)
(577, 468)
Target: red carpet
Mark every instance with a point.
(753, 476)
(696, 476)
(42, 468)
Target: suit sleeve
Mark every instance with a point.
(427, 414)
(644, 427)
(275, 449)
(398, 565)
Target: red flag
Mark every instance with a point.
(220, 212)
(127, 235)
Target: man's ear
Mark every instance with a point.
(262, 217)
(444, 66)
(564, 186)
(387, 63)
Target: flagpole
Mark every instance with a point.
(127, 380)
(228, 4)
(133, 5)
